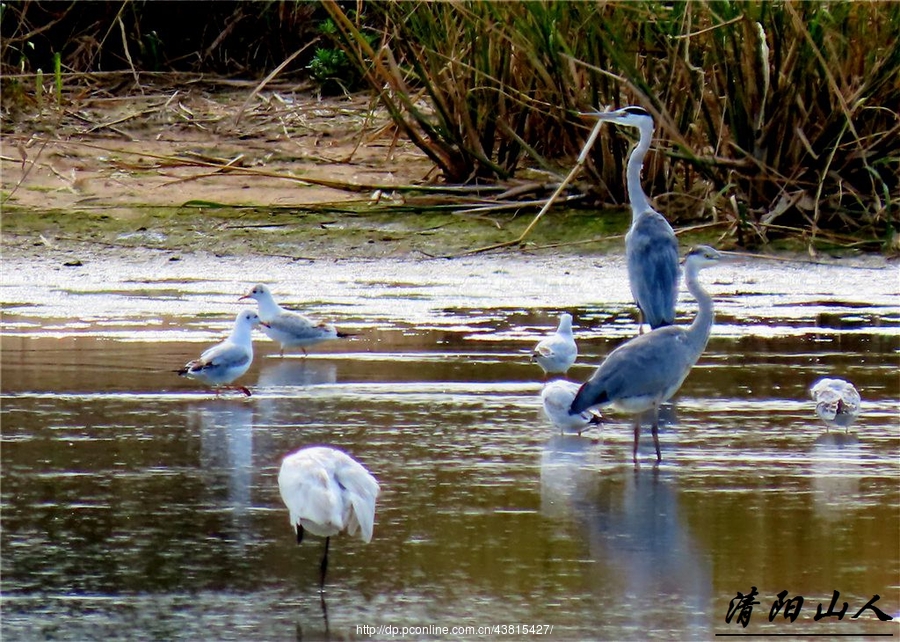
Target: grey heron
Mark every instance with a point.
(651, 249)
(556, 353)
(837, 402)
(288, 328)
(326, 491)
(226, 361)
(647, 370)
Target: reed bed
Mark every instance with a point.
(774, 118)
(773, 115)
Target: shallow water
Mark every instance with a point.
(136, 505)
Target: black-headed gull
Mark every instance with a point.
(557, 397)
(288, 328)
(326, 491)
(837, 402)
(224, 362)
(556, 353)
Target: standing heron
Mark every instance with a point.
(326, 491)
(289, 328)
(556, 353)
(224, 362)
(651, 249)
(837, 402)
(644, 372)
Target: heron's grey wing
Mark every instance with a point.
(653, 272)
(644, 366)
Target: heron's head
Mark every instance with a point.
(632, 116)
(702, 256)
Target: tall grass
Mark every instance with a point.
(775, 114)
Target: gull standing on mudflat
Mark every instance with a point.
(644, 372)
(837, 402)
(288, 328)
(326, 491)
(651, 249)
(556, 353)
(556, 398)
(224, 362)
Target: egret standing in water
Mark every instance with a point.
(644, 372)
(556, 353)
(837, 402)
(326, 491)
(651, 249)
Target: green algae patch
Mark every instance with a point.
(342, 230)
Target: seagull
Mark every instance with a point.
(556, 353)
(326, 491)
(287, 327)
(557, 397)
(224, 362)
(837, 402)
(645, 371)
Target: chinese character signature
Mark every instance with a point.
(789, 607)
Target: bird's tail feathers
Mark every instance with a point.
(590, 394)
(362, 518)
(344, 335)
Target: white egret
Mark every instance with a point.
(326, 491)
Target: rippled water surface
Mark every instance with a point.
(137, 505)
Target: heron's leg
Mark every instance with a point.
(299, 534)
(637, 437)
(324, 564)
(655, 431)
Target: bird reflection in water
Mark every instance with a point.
(637, 539)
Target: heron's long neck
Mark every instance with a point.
(636, 195)
(700, 328)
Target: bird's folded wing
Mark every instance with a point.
(361, 490)
(224, 355)
(295, 324)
